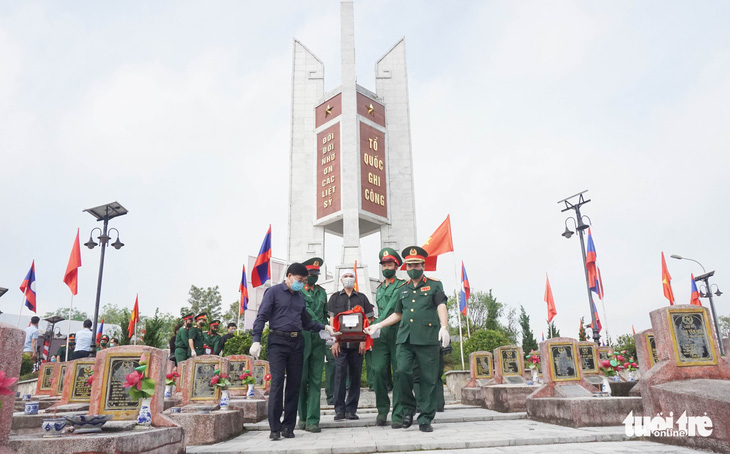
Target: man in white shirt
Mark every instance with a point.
(83, 341)
(31, 338)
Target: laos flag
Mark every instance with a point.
(594, 273)
(28, 288)
(465, 290)
(262, 267)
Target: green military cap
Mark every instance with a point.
(313, 265)
(188, 316)
(388, 254)
(104, 337)
(414, 254)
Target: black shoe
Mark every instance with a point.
(314, 429)
(339, 416)
(351, 416)
(425, 428)
(381, 420)
(275, 435)
(397, 425)
(407, 421)
(287, 433)
(440, 409)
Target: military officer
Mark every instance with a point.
(196, 338)
(213, 338)
(314, 347)
(103, 342)
(182, 347)
(420, 308)
(71, 344)
(384, 348)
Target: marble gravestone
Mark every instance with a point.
(689, 375)
(75, 389)
(44, 385)
(481, 369)
(10, 359)
(509, 365)
(588, 353)
(261, 369)
(236, 365)
(58, 377)
(646, 353)
(562, 369)
(181, 381)
(199, 370)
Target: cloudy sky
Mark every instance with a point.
(180, 111)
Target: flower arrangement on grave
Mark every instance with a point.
(267, 377)
(220, 380)
(533, 358)
(613, 365)
(139, 384)
(630, 365)
(247, 378)
(5, 383)
(90, 380)
(171, 378)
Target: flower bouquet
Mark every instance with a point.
(170, 382)
(247, 378)
(5, 384)
(141, 387)
(533, 359)
(630, 366)
(221, 381)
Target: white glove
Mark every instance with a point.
(330, 342)
(444, 337)
(324, 335)
(370, 330)
(376, 334)
(331, 330)
(193, 354)
(255, 350)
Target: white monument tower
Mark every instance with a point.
(350, 163)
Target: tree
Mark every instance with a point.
(582, 330)
(528, 339)
(480, 340)
(625, 342)
(494, 311)
(511, 330)
(63, 312)
(724, 322)
(204, 300)
(154, 331)
(238, 344)
(552, 330)
(231, 314)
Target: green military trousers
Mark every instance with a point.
(312, 365)
(427, 359)
(383, 356)
(329, 375)
(181, 354)
(440, 402)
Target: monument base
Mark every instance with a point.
(31, 424)
(583, 411)
(167, 440)
(254, 410)
(697, 397)
(472, 396)
(456, 380)
(506, 398)
(208, 428)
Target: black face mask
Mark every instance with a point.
(311, 280)
(189, 324)
(214, 331)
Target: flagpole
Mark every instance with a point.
(461, 338)
(466, 316)
(68, 329)
(22, 303)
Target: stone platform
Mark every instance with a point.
(507, 398)
(254, 410)
(207, 428)
(583, 411)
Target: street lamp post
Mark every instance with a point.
(705, 278)
(580, 226)
(102, 213)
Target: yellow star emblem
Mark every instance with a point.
(327, 111)
(371, 110)
(427, 241)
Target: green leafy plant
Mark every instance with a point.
(240, 344)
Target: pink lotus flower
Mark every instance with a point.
(620, 358)
(143, 359)
(244, 375)
(174, 373)
(215, 379)
(626, 365)
(133, 379)
(5, 383)
(90, 380)
(634, 365)
(606, 363)
(169, 376)
(224, 376)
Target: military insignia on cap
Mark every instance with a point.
(385, 253)
(414, 252)
(316, 263)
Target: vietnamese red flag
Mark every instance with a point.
(552, 312)
(695, 301)
(71, 278)
(134, 318)
(667, 282)
(440, 242)
(354, 271)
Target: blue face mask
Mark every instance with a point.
(297, 286)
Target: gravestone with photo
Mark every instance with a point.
(588, 353)
(237, 364)
(645, 349)
(689, 377)
(567, 398)
(260, 371)
(481, 368)
(76, 393)
(508, 390)
(44, 386)
(58, 378)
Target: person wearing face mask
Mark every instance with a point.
(348, 355)
(384, 348)
(104, 342)
(421, 309)
(70, 346)
(182, 346)
(213, 337)
(314, 345)
(196, 338)
(113, 342)
(231, 328)
(285, 308)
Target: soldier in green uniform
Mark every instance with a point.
(213, 338)
(103, 342)
(420, 308)
(329, 372)
(314, 347)
(182, 349)
(384, 348)
(196, 338)
(61, 353)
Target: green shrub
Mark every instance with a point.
(238, 345)
(26, 365)
(482, 340)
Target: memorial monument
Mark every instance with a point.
(350, 162)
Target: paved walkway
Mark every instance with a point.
(459, 430)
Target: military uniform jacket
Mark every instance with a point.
(417, 302)
(386, 297)
(316, 298)
(198, 339)
(212, 341)
(181, 338)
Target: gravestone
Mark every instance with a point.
(10, 359)
(44, 385)
(198, 372)
(58, 378)
(109, 397)
(481, 365)
(236, 365)
(588, 354)
(646, 353)
(603, 352)
(508, 365)
(689, 375)
(260, 370)
(75, 389)
(181, 381)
